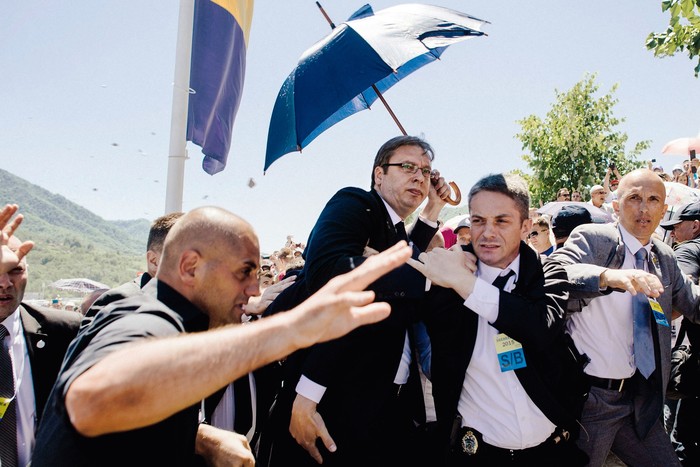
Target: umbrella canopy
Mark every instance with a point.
(682, 146)
(598, 215)
(678, 194)
(81, 285)
(334, 78)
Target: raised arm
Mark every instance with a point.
(124, 390)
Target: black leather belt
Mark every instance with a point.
(469, 442)
(608, 383)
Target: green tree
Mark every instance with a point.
(683, 32)
(573, 146)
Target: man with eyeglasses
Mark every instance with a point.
(344, 402)
(539, 236)
(563, 194)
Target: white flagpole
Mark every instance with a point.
(178, 120)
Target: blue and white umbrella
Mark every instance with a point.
(334, 78)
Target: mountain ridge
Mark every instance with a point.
(71, 241)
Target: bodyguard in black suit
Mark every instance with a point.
(46, 333)
(343, 394)
(499, 372)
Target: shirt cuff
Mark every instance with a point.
(433, 224)
(309, 389)
(484, 300)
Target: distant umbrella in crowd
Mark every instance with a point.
(81, 285)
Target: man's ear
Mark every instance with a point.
(187, 267)
(152, 259)
(378, 175)
(616, 206)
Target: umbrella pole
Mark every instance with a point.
(391, 112)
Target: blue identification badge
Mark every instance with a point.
(658, 312)
(510, 353)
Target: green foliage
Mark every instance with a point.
(70, 241)
(682, 34)
(573, 146)
(447, 212)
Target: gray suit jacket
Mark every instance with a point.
(590, 249)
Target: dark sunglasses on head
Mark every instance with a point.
(533, 234)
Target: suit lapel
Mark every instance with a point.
(36, 340)
(389, 232)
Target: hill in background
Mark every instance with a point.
(71, 241)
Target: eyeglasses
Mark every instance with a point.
(534, 233)
(409, 168)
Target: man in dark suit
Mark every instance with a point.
(499, 364)
(623, 286)
(344, 394)
(37, 339)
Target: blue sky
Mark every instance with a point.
(87, 91)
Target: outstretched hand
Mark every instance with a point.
(453, 268)
(342, 304)
(633, 281)
(258, 305)
(10, 258)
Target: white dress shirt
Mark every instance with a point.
(24, 387)
(491, 401)
(603, 330)
(225, 412)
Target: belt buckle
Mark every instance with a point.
(470, 445)
(622, 383)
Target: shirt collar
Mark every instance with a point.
(489, 273)
(395, 218)
(631, 242)
(12, 323)
(192, 318)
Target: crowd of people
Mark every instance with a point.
(546, 340)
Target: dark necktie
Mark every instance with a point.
(401, 231)
(244, 409)
(501, 281)
(8, 423)
(643, 341)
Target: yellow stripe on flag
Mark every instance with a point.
(242, 11)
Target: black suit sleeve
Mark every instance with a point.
(537, 317)
(352, 220)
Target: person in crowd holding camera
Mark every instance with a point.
(611, 185)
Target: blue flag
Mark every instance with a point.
(219, 42)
